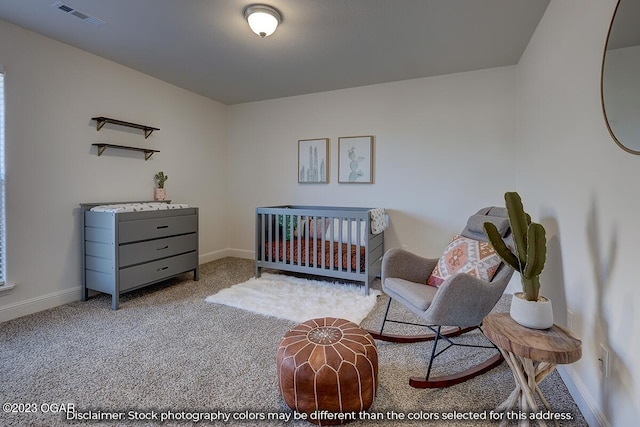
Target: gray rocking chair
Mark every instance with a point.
(459, 303)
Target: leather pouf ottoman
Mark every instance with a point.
(328, 367)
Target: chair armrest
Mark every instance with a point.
(464, 300)
(406, 265)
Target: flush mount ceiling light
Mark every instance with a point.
(262, 19)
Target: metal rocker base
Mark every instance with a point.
(436, 335)
(405, 339)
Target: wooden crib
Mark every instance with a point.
(335, 242)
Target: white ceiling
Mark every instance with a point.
(207, 47)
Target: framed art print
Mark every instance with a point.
(313, 161)
(355, 159)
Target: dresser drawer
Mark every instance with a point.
(145, 229)
(154, 271)
(137, 253)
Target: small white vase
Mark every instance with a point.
(531, 314)
(160, 193)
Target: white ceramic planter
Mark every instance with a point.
(531, 314)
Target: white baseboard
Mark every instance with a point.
(43, 302)
(212, 256)
(223, 253)
(241, 253)
(590, 410)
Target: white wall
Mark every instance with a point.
(583, 187)
(52, 91)
(444, 147)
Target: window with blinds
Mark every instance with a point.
(2, 215)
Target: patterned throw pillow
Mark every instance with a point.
(464, 255)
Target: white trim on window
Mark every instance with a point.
(6, 287)
(3, 264)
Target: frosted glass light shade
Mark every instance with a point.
(263, 20)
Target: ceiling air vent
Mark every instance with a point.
(63, 7)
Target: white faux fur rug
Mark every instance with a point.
(298, 299)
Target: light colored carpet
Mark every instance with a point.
(167, 349)
(298, 299)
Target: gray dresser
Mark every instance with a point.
(129, 250)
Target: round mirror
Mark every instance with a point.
(620, 80)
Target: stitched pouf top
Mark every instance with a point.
(328, 369)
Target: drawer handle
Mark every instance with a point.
(162, 268)
(162, 226)
(161, 249)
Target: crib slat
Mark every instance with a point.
(291, 228)
(301, 234)
(308, 240)
(323, 241)
(262, 248)
(331, 244)
(349, 246)
(317, 257)
(271, 218)
(340, 234)
(291, 240)
(278, 231)
(358, 243)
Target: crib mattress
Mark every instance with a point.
(280, 254)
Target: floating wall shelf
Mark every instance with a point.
(147, 152)
(101, 121)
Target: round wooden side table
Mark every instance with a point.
(532, 354)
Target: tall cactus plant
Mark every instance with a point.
(530, 245)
